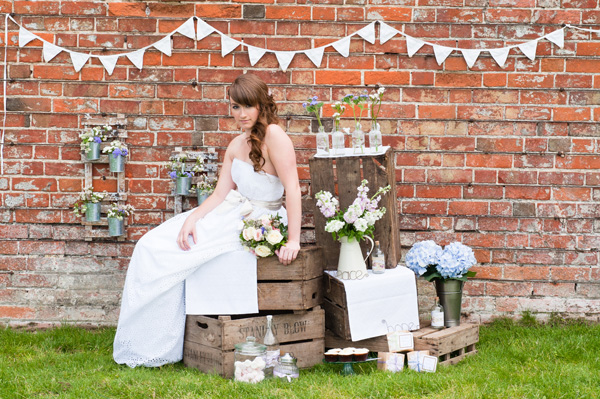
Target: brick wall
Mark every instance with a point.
(504, 160)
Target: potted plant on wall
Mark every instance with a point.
(116, 215)
(179, 171)
(91, 139)
(448, 268)
(89, 204)
(204, 188)
(117, 151)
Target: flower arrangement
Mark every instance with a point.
(119, 212)
(176, 165)
(87, 196)
(263, 236)
(375, 99)
(339, 109)
(313, 105)
(360, 217)
(354, 101)
(427, 259)
(95, 134)
(205, 185)
(116, 148)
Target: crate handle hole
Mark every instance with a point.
(202, 325)
(314, 295)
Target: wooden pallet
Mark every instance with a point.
(209, 342)
(450, 345)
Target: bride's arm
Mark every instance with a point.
(224, 185)
(283, 157)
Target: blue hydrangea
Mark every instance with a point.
(421, 255)
(173, 174)
(455, 261)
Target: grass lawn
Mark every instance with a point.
(516, 359)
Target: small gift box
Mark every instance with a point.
(415, 359)
(429, 364)
(400, 341)
(389, 361)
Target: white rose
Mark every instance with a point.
(248, 233)
(262, 251)
(258, 235)
(361, 224)
(274, 237)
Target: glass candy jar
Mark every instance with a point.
(287, 368)
(322, 142)
(358, 140)
(375, 138)
(337, 139)
(249, 365)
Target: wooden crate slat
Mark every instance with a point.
(348, 179)
(337, 319)
(376, 344)
(322, 178)
(292, 295)
(309, 264)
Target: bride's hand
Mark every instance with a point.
(188, 228)
(288, 252)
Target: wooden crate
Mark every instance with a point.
(450, 345)
(346, 173)
(297, 286)
(209, 342)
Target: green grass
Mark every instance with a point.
(516, 359)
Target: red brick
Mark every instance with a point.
(489, 160)
(437, 112)
(571, 114)
(127, 9)
(480, 112)
(458, 79)
(454, 15)
(438, 192)
(578, 162)
(570, 273)
(16, 312)
(510, 289)
(537, 193)
(556, 16)
(487, 240)
(83, 8)
(517, 177)
(530, 273)
(285, 12)
(449, 176)
(468, 208)
(483, 192)
(424, 207)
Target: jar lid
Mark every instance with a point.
(287, 358)
(250, 347)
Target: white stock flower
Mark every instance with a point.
(274, 237)
(361, 224)
(334, 226)
(262, 251)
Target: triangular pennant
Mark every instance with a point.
(413, 45)
(204, 30)
(441, 53)
(137, 58)
(368, 32)
(470, 56)
(164, 45)
(315, 55)
(187, 29)
(500, 55)
(255, 54)
(50, 51)
(557, 37)
(109, 62)
(284, 58)
(25, 36)
(228, 45)
(386, 32)
(342, 46)
(529, 48)
(78, 60)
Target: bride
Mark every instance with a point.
(194, 263)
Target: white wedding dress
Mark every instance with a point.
(222, 275)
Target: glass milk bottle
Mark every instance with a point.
(272, 345)
(378, 260)
(375, 138)
(437, 315)
(338, 144)
(358, 140)
(322, 142)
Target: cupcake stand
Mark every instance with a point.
(348, 368)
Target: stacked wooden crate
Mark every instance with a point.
(292, 294)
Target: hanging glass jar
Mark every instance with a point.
(358, 140)
(339, 146)
(322, 142)
(375, 137)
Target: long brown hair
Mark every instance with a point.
(250, 90)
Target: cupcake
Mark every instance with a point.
(332, 355)
(361, 354)
(346, 355)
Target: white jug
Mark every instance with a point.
(351, 265)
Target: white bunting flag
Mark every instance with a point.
(164, 45)
(255, 54)
(284, 58)
(529, 48)
(342, 46)
(500, 55)
(204, 30)
(187, 29)
(25, 36)
(228, 45)
(441, 53)
(368, 33)
(50, 51)
(137, 58)
(413, 45)
(109, 62)
(315, 55)
(78, 60)
(386, 32)
(557, 37)
(470, 56)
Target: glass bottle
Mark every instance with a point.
(437, 315)
(272, 345)
(338, 143)
(358, 139)
(378, 260)
(322, 142)
(375, 138)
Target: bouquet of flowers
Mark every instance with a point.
(177, 168)
(205, 185)
(360, 217)
(263, 236)
(427, 259)
(313, 105)
(85, 197)
(95, 134)
(119, 212)
(116, 148)
(339, 111)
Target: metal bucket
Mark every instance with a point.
(450, 294)
(182, 185)
(116, 164)
(202, 196)
(115, 227)
(94, 153)
(92, 212)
